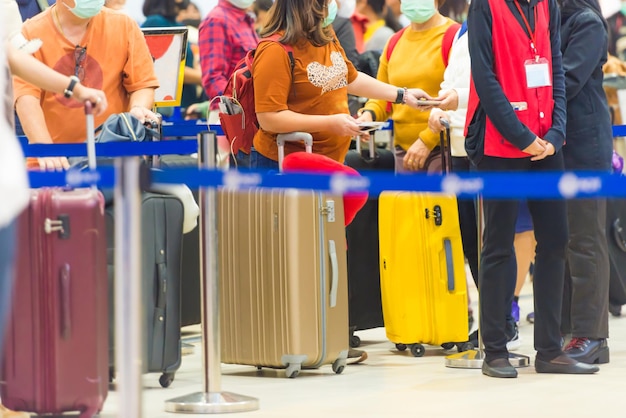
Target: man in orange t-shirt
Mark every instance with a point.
(105, 50)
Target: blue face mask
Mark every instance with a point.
(332, 13)
(86, 9)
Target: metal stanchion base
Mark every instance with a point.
(212, 403)
(473, 359)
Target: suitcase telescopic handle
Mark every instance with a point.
(371, 144)
(444, 139)
(305, 137)
(91, 139)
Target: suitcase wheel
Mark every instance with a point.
(355, 341)
(417, 350)
(466, 346)
(339, 365)
(447, 346)
(293, 370)
(166, 379)
(401, 347)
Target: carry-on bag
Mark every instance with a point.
(190, 311)
(283, 285)
(56, 357)
(364, 300)
(422, 269)
(161, 239)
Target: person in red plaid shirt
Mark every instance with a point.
(226, 34)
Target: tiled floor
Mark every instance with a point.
(391, 384)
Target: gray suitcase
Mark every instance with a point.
(162, 234)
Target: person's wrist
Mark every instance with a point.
(370, 111)
(401, 96)
(69, 90)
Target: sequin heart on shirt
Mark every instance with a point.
(329, 78)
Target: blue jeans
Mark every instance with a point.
(258, 161)
(7, 254)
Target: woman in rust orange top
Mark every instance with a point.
(313, 95)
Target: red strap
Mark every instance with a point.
(393, 41)
(448, 39)
(446, 44)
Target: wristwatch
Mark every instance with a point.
(70, 89)
(401, 97)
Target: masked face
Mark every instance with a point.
(86, 9)
(332, 13)
(346, 8)
(418, 11)
(241, 4)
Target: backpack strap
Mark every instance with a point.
(393, 41)
(288, 49)
(446, 44)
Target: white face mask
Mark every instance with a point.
(241, 4)
(346, 9)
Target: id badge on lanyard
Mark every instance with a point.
(537, 69)
(537, 73)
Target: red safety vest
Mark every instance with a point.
(511, 49)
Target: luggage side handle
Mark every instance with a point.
(65, 298)
(334, 270)
(447, 249)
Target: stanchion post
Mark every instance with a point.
(128, 300)
(212, 400)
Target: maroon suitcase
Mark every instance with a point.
(56, 353)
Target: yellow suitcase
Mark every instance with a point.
(422, 271)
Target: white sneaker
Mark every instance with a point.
(515, 342)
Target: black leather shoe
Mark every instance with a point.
(499, 367)
(588, 351)
(565, 365)
(615, 309)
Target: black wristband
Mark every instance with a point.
(401, 95)
(70, 89)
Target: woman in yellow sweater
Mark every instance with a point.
(417, 60)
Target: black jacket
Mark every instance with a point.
(589, 138)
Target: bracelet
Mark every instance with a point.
(370, 111)
(401, 97)
(70, 89)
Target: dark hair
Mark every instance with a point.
(454, 9)
(569, 7)
(166, 8)
(378, 6)
(299, 19)
(262, 5)
(391, 21)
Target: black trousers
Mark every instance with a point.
(497, 274)
(467, 220)
(586, 291)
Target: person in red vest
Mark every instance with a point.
(516, 122)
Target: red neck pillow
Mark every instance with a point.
(317, 163)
